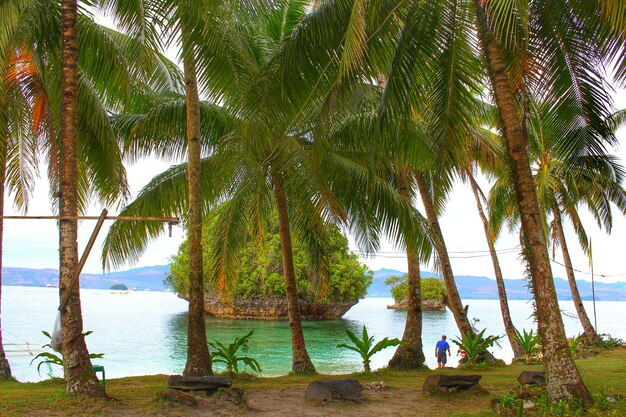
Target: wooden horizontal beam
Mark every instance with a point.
(126, 218)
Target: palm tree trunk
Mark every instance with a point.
(80, 378)
(453, 297)
(301, 362)
(5, 369)
(590, 333)
(563, 379)
(198, 356)
(509, 328)
(411, 354)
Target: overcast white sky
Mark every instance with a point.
(34, 243)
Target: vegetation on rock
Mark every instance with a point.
(432, 288)
(259, 273)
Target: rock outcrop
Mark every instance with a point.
(274, 308)
(427, 305)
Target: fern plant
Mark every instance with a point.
(364, 347)
(475, 345)
(54, 359)
(229, 356)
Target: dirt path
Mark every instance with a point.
(399, 402)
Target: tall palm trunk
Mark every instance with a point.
(590, 333)
(5, 369)
(411, 354)
(198, 356)
(80, 378)
(563, 379)
(454, 299)
(301, 362)
(509, 328)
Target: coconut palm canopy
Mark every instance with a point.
(324, 112)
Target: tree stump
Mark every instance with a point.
(208, 384)
(531, 378)
(336, 389)
(452, 383)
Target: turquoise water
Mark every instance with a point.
(144, 333)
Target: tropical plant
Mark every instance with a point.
(574, 344)
(529, 342)
(475, 345)
(363, 346)
(50, 358)
(508, 404)
(229, 356)
(610, 342)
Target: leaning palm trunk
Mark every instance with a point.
(198, 356)
(80, 378)
(563, 380)
(453, 297)
(5, 369)
(590, 333)
(301, 362)
(410, 355)
(509, 328)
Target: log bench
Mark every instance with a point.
(208, 384)
(531, 378)
(442, 383)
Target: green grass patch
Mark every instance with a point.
(603, 374)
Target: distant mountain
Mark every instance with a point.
(145, 278)
(470, 287)
(473, 287)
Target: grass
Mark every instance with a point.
(603, 374)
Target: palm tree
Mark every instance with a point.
(509, 328)
(534, 48)
(33, 75)
(79, 375)
(410, 354)
(564, 181)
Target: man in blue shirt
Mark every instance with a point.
(440, 352)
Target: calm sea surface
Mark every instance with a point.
(143, 333)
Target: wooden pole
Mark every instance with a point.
(83, 258)
(151, 219)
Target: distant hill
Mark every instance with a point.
(145, 278)
(470, 287)
(474, 287)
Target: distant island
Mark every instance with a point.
(119, 287)
(470, 287)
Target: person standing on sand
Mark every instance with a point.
(440, 352)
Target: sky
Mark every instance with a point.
(34, 243)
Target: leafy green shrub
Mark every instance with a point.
(475, 345)
(609, 342)
(259, 272)
(529, 342)
(508, 404)
(364, 347)
(575, 344)
(432, 288)
(228, 354)
(54, 359)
